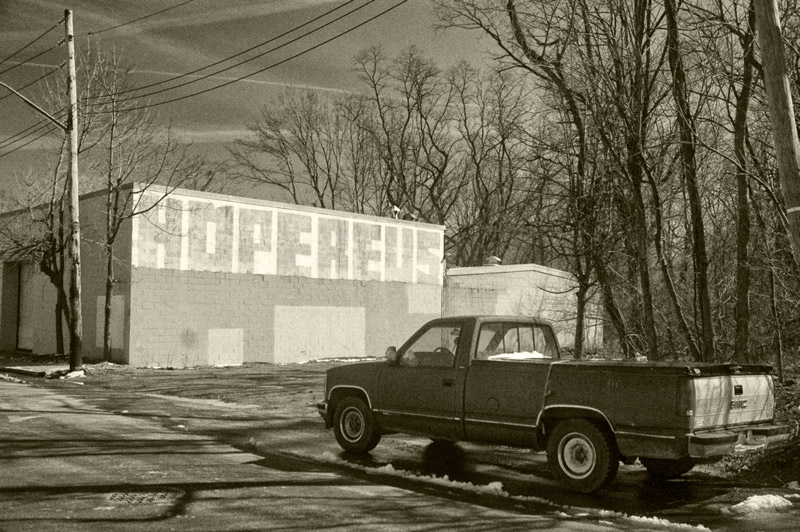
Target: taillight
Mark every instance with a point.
(684, 398)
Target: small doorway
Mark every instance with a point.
(26, 310)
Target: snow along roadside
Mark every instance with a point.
(496, 489)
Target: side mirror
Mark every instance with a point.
(391, 355)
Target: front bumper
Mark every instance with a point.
(322, 408)
(722, 442)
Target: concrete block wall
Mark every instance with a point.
(521, 290)
(188, 318)
(224, 280)
(38, 297)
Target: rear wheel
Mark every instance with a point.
(582, 456)
(667, 468)
(354, 426)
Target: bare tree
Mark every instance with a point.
(312, 148)
(132, 150)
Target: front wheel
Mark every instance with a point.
(582, 456)
(666, 468)
(354, 426)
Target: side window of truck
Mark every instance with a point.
(545, 342)
(514, 341)
(490, 340)
(435, 348)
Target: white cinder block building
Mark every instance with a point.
(211, 279)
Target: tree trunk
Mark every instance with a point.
(683, 325)
(580, 320)
(742, 198)
(107, 356)
(59, 327)
(641, 250)
(610, 306)
(689, 167)
(778, 337)
(784, 130)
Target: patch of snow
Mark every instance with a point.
(9, 378)
(663, 522)
(339, 360)
(792, 496)
(794, 485)
(496, 489)
(207, 402)
(761, 503)
(525, 355)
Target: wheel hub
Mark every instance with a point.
(577, 456)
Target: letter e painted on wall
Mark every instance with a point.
(294, 243)
(332, 248)
(366, 251)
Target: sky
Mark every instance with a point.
(200, 32)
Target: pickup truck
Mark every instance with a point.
(501, 380)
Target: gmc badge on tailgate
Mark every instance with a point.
(738, 404)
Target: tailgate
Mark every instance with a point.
(730, 400)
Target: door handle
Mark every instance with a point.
(448, 381)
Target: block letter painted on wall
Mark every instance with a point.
(255, 242)
(207, 251)
(159, 233)
(367, 251)
(332, 249)
(428, 257)
(294, 241)
(399, 254)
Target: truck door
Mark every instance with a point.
(505, 382)
(419, 395)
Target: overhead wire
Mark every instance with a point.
(17, 65)
(259, 45)
(31, 130)
(273, 65)
(24, 133)
(40, 78)
(128, 23)
(50, 130)
(57, 24)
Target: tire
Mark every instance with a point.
(582, 456)
(666, 468)
(354, 426)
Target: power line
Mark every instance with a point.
(140, 18)
(24, 133)
(40, 78)
(50, 130)
(38, 126)
(9, 69)
(284, 34)
(350, 30)
(60, 22)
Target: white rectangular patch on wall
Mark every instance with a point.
(117, 325)
(309, 333)
(211, 237)
(225, 347)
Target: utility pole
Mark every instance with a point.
(76, 317)
(781, 114)
(71, 129)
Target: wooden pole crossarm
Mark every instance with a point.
(35, 107)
